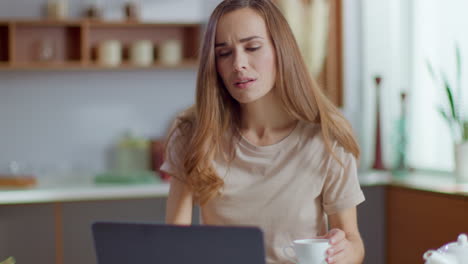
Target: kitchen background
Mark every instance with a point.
(64, 122)
(59, 120)
(67, 120)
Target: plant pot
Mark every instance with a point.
(461, 162)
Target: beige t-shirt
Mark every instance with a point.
(286, 189)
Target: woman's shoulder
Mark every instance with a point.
(181, 127)
(311, 131)
(312, 134)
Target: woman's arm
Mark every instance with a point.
(346, 243)
(179, 203)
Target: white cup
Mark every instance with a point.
(308, 251)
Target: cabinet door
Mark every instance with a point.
(371, 220)
(420, 220)
(78, 244)
(27, 233)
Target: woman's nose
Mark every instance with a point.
(240, 62)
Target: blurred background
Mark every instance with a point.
(84, 100)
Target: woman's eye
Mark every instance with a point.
(224, 53)
(253, 48)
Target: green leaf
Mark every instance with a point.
(431, 71)
(458, 57)
(444, 114)
(449, 92)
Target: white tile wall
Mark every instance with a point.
(72, 118)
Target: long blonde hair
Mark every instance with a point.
(203, 127)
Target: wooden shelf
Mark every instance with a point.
(46, 43)
(187, 64)
(72, 44)
(45, 22)
(124, 24)
(66, 66)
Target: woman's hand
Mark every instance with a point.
(346, 245)
(341, 250)
(179, 203)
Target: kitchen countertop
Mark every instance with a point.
(88, 191)
(438, 182)
(82, 191)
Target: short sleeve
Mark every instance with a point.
(173, 162)
(341, 188)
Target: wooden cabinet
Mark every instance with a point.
(50, 44)
(419, 220)
(399, 224)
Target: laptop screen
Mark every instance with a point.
(147, 243)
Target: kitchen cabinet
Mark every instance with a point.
(372, 223)
(420, 220)
(53, 225)
(399, 223)
(72, 44)
(399, 220)
(61, 232)
(27, 231)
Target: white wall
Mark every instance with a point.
(72, 118)
(352, 61)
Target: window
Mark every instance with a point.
(437, 27)
(398, 37)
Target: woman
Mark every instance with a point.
(262, 145)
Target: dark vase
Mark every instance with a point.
(378, 163)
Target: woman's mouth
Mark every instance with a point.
(244, 83)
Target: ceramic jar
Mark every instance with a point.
(170, 52)
(141, 53)
(110, 53)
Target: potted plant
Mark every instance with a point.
(456, 116)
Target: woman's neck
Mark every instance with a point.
(265, 122)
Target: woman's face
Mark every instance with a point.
(245, 57)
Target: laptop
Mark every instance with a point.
(148, 243)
